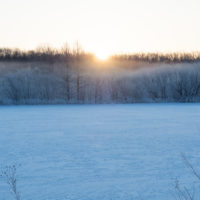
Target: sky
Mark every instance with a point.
(103, 27)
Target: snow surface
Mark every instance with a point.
(98, 152)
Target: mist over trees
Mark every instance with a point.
(68, 76)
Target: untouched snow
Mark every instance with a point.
(99, 152)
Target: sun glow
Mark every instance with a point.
(102, 56)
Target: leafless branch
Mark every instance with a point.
(9, 174)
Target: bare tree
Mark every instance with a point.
(77, 52)
(186, 193)
(9, 174)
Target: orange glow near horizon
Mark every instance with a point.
(103, 56)
(102, 26)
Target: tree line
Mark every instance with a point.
(47, 76)
(47, 53)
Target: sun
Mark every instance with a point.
(102, 56)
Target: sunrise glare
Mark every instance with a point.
(106, 25)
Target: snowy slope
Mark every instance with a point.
(97, 152)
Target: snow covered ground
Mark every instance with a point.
(99, 152)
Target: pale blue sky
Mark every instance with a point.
(102, 26)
